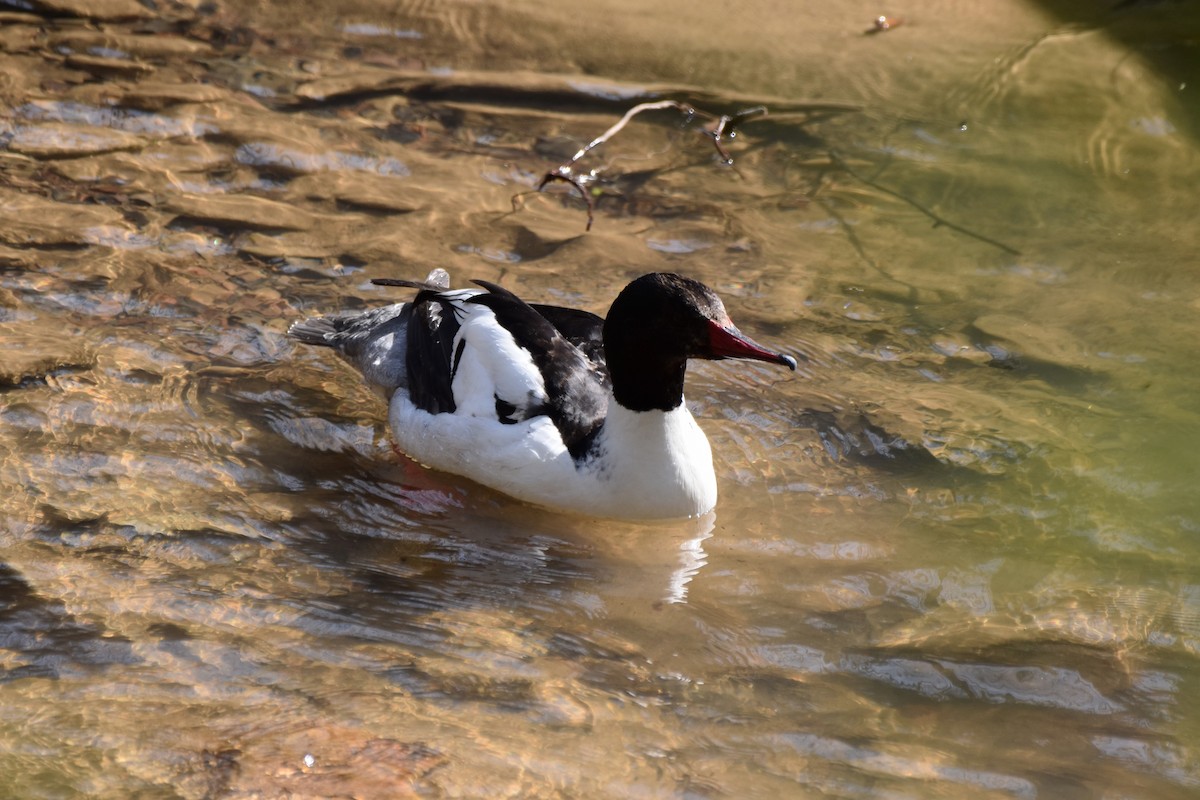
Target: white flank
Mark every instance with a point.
(647, 465)
(492, 365)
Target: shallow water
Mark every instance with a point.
(955, 554)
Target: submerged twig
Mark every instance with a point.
(724, 128)
(567, 177)
(938, 220)
(721, 128)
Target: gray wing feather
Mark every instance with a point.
(374, 341)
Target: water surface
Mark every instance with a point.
(955, 553)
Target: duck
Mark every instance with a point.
(551, 405)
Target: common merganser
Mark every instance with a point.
(554, 406)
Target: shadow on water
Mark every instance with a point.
(1159, 32)
(46, 640)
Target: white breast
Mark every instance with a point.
(655, 463)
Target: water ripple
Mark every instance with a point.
(262, 154)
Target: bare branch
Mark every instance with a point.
(630, 114)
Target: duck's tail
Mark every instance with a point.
(316, 330)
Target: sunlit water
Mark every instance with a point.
(957, 554)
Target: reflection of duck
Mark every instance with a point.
(551, 405)
(691, 559)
